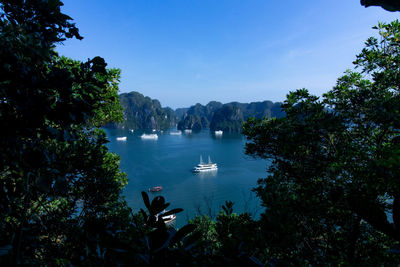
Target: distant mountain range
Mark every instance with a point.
(226, 117)
(144, 113)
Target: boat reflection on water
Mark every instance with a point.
(211, 173)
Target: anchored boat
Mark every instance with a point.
(218, 133)
(149, 136)
(155, 189)
(203, 167)
(166, 218)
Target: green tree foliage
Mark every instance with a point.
(232, 239)
(334, 177)
(59, 186)
(389, 5)
(331, 188)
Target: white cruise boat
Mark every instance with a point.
(123, 138)
(149, 136)
(175, 133)
(188, 131)
(167, 218)
(219, 132)
(204, 167)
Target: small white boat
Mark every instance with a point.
(122, 138)
(149, 136)
(219, 132)
(188, 131)
(131, 130)
(175, 133)
(166, 219)
(204, 167)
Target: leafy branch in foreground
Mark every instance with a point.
(389, 5)
(332, 191)
(59, 186)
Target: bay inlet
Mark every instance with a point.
(168, 162)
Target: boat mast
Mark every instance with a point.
(201, 160)
(209, 160)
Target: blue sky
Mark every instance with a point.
(183, 52)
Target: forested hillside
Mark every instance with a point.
(198, 116)
(142, 112)
(227, 117)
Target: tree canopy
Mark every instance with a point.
(59, 183)
(331, 196)
(389, 5)
(60, 187)
(332, 193)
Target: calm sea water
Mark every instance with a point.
(169, 160)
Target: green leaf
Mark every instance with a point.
(146, 200)
(184, 231)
